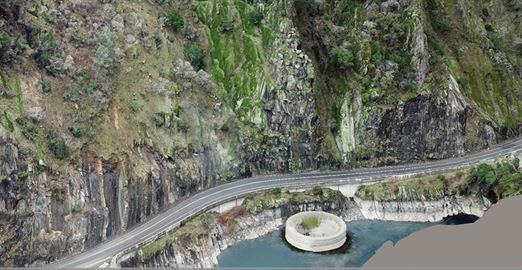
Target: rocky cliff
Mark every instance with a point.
(111, 111)
(199, 242)
(422, 211)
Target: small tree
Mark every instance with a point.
(49, 55)
(256, 17)
(196, 56)
(276, 191)
(376, 52)
(76, 209)
(5, 42)
(105, 57)
(227, 26)
(59, 148)
(310, 6)
(317, 191)
(175, 20)
(46, 86)
(342, 58)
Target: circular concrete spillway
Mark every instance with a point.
(315, 231)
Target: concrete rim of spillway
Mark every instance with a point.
(333, 232)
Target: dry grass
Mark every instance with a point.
(229, 219)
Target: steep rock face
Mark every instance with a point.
(430, 126)
(8, 170)
(422, 211)
(393, 86)
(181, 146)
(203, 250)
(288, 105)
(114, 82)
(106, 198)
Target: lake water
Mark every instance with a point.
(365, 237)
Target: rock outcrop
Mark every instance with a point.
(110, 114)
(202, 250)
(422, 211)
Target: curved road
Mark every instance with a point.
(206, 199)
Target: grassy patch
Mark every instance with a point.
(6, 121)
(495, 182)
(272, 199)
(310, 223)
(196, 227)
(422, 188)
(17, 88)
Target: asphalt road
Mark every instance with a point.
(206, 199)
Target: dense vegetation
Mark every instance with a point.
(310, 223)
(275, 198)
(498, 181)
(501, 180)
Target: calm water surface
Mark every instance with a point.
(365, 237)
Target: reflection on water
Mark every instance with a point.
(365, 237)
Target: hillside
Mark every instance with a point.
(113, 110)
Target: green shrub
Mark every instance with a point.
(309, 6)
(134, 105)
(78, 40)
(159, 119)
(7, 122)
(501, 181)
(310, 223)
(497, 45)
(21, 45)
(28, 129)
(158, 41)
(5, 42)
(256, 17)
(48, 55)
(225, 128)
(485, 12)
(317, 191)
(442, 25)
(434, 41)
(484, 174)
(227, 26)
(76, 209)
(439, 19)
(175, 20)
(105, 55)
(59, 149)
(463, 82)
(376, 53)
(17, 87)
(92, 87)
(183, 126)
(514, 5)
(196, 56)
(77, 132)
(276, 191)
(342, 58)
(46, 86)
(337, 116)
